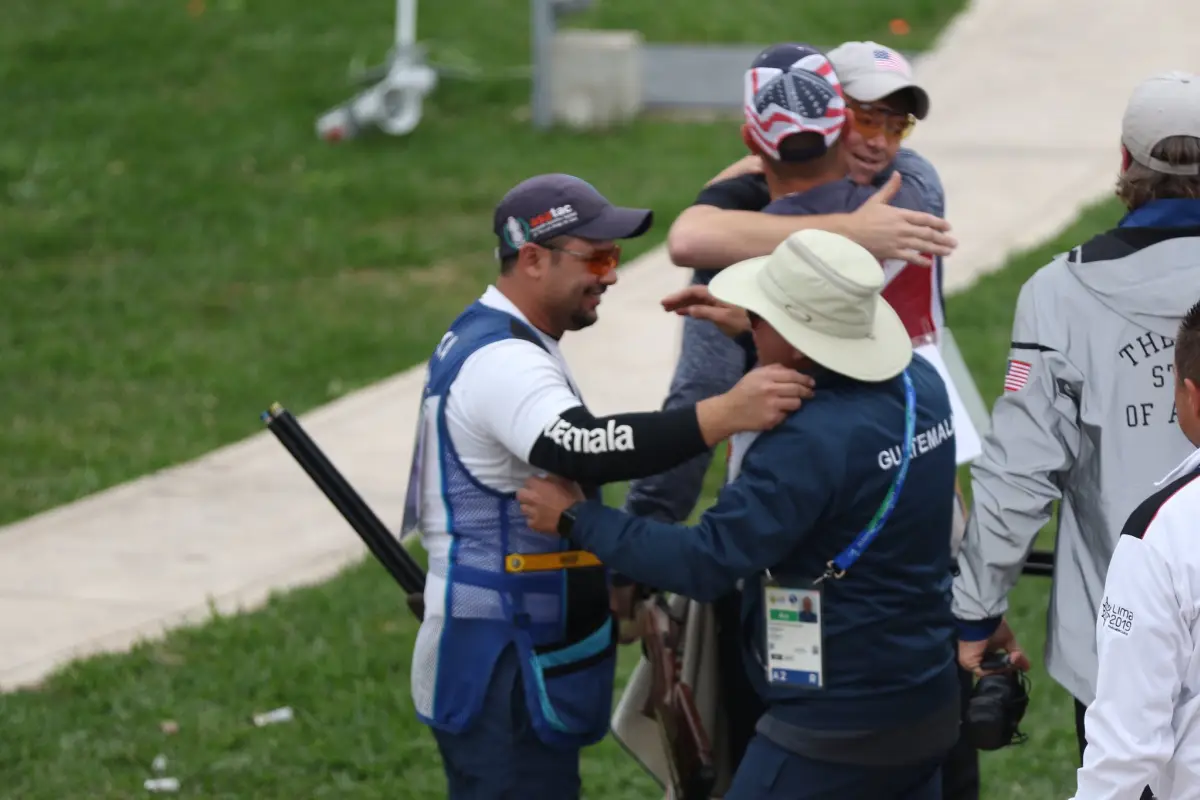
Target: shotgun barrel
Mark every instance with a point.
(386, 548)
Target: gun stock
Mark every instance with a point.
(672, 705)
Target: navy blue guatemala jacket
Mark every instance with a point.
(805, 490)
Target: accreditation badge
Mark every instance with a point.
(794, 638)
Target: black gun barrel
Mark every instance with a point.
(1039, 563)
(386, 548)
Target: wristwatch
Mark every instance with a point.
(566, 520)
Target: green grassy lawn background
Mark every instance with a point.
(177, 247)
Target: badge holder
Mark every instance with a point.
(795, 645)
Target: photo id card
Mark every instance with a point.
(794, 645)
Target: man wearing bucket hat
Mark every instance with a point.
(840, 504)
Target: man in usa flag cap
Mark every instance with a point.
(797, 120)
(879, 88)
(1088, 419)
(791, 89)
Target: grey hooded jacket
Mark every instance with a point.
(1087, 418)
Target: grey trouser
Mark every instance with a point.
(710, 363)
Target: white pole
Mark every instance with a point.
(542, 23)
(406, 23)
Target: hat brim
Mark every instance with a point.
(883, 355)
(879, 85)
(615, 222)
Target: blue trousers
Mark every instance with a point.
(768, 772)
(500, 757)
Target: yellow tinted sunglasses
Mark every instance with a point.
(871, 120)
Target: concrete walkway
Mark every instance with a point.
(1027, 98)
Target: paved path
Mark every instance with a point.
(1027, 103)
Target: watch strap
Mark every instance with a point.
(566, 520)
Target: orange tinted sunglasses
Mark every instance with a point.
(599, 262)
(871, 121)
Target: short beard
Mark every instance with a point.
(580, 320)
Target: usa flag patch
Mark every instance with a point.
(1018, 375)
(890, 60)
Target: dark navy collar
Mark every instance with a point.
(1168, 213)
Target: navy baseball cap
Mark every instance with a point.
(547, 206)
(790, 89)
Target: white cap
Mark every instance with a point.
(1161, 107)
(822, 293)
(869, 71)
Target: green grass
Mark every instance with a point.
(339, 654)
(178, 249)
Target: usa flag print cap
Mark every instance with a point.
(545, 206)
(869, 72)
(790, 89)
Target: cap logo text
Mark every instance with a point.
(553, 219)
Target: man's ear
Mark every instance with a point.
(529, 260)
(751, 143)
(1126, 159)
(849, 121)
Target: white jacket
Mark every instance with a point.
(1144, 727)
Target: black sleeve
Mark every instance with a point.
(744, 193)
(587, 449)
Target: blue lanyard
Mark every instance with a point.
(838, 566)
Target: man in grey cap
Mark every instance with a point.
(1088, 416)
(514, 662)
(887, 103)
